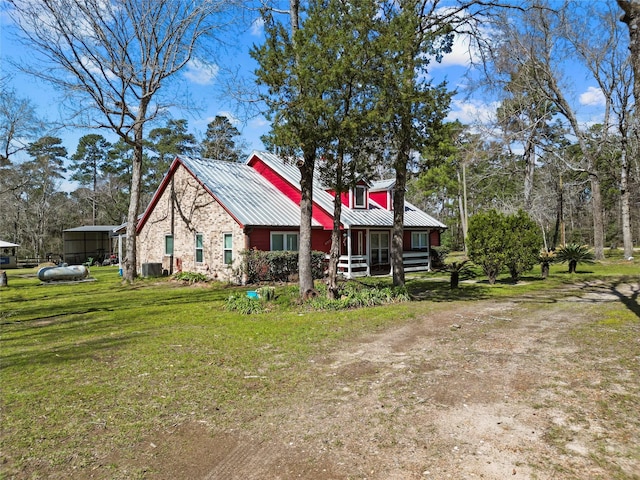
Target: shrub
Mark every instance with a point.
(260, 266)
(190, 277)
(438, 256)
(245, 305)
(574, 254)
(268, 293)
(523, 244)
(355, 295)
(496, 240)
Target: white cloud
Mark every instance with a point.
(592, 97)
(460, 54)
(230, 116)
(472, 112)
(201, 72)
(257, 27)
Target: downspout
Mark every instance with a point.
(173, 219)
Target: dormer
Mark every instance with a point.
(360, 197)
(381, 192)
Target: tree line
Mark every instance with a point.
(36, 209)
(348, 90)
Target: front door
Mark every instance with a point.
(379, 249)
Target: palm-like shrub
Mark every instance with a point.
(545, 259)
(574, 254)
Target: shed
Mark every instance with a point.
(97, 242)
(8, 255)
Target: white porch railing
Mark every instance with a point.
(416, 261)
(359, 266)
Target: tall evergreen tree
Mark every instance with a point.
(44, 172)
(220, 142)
(89, 160)
(293, 104)
(163, 145)
(410, 106)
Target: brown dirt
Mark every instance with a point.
(488, 389)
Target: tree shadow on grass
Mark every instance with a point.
(94, 348)
(437, 290)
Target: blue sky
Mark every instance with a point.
(204, 80)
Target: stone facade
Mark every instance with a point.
(187, 209)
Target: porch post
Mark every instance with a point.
(429, 250)
(349, 253)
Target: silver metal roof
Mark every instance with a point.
(374, 216)
(246, 194)
(93, 228)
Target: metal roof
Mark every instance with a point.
(245, 193)
(374, 216)
(93, 228)
(4, 244)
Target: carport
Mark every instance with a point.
(93, 241)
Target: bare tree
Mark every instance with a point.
(18, 123)
(631, 18)
(111, 59)
(603, 52)
(539, 38)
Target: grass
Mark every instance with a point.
(92, 368)
(99, 360)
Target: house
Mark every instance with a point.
(205, 212)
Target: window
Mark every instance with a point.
(227, 248)
(168, 244)
(199, 248)
(419, 240)
(284, 241)
(379, 248)
(361, 196)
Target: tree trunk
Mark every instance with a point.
(545, 270)
(529, 169)
(598, 222)
(558, 233)
(462, 205)
(306, 210)
(397, 246)
(631, 18)
(130, 261)
(455, 278)
(572, 266)
(627, 238)
(336, 233)
(334, 254)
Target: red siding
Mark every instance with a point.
(406, 240)
(345, 199)
(260, 238)
(291, 191)
(321, 240)
(380, 198)
(434, 238)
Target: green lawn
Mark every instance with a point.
(91, 368)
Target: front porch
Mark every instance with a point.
(360, 266)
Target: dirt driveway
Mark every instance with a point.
(535, 388)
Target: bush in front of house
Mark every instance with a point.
(260, 266)
(357, 295)
(190, 277)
